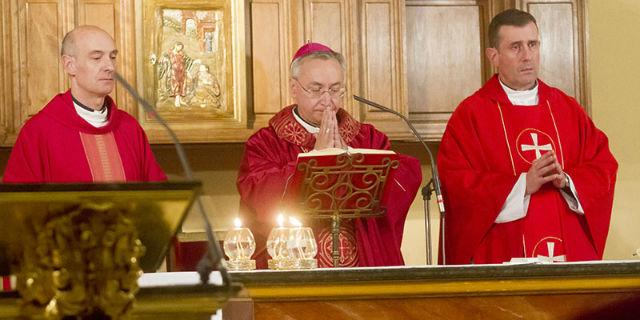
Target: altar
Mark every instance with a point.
(598, 290)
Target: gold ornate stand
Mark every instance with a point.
(348, 188)
(78, 250)
(83, 261)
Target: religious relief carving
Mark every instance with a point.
(191, 69)
(188, 59)
(193, 66)
(83, 262)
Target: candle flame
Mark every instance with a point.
(295, 222)
(237, 222)
(280, 220)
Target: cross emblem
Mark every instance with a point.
(551, 257)
(535, 147)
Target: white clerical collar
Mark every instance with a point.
(310, 128)
(522, 98)
(97, 119)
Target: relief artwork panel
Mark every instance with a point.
(188, 71)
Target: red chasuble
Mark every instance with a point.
(488, 143)
(57, 145)
(269, 160)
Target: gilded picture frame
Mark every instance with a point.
(193, 67)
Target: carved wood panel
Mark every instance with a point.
(37, 30)
(270, 57)
(563, 48)
(330, 22)
(445, 59)
(382, 66)
(6, 83)
(105, 14)
(421, 57)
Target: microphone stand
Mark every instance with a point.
(432, 185)
(212, 259)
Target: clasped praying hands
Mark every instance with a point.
(329, 134)
(545, 169)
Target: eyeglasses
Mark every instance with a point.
(316, 93)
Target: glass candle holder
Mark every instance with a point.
(302, 248)
(277, 249)
(239, 245)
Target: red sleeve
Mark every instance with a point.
(473, 192)
(152, 170)
(24, 164)
(405, 182)
(594, 176)
(383, 237)
(266, 165)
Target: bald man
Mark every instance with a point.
(81, 136)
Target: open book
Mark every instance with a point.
(349, 181)
(348, 150)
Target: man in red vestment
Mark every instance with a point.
(525, 172)
(317, 121)
(81, 135)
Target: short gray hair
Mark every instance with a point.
(68, 43)
(320, 55)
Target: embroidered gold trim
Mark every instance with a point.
(506, 139)
(553, 119)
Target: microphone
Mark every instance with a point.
(427, 189)
(212, 259)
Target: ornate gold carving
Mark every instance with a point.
(83, 262)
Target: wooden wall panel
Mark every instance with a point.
(269, 56)
(445, 58)
(330, 22)
(325, 23)
(117, 18)
(41, 30)
(560, 53)
(102, 13)
(381, 61)
(6, 83)
(420, 57)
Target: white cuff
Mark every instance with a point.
(572, 198)
(517, 203)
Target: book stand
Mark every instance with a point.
(344, 186)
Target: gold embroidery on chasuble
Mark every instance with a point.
(103, 157)
(288, 129)
(530, 132)
(348, 126)
(531, 143)
(347, 245)
(547, 248)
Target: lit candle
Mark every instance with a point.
(280, 220)
(239, 245)
(294, 243)
(277, 245)
(302, 245)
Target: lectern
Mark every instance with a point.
(77, 250)
(348, 185)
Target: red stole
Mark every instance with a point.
(103, 157)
